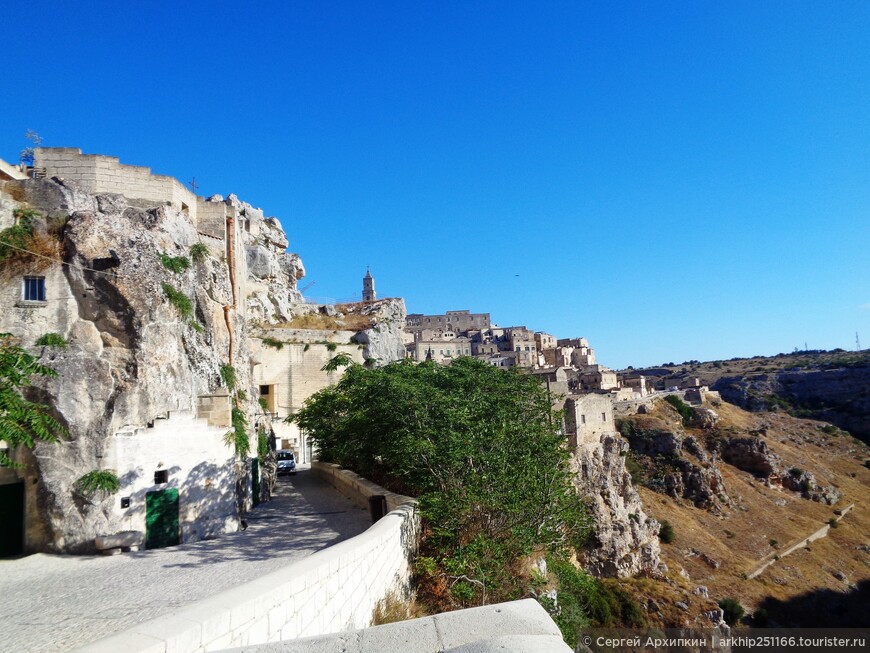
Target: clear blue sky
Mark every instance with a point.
(672, 180)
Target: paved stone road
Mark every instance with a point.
(51, 603)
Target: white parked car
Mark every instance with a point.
(286, 461)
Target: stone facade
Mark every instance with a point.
(456, 321)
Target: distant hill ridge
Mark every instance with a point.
(827, 385)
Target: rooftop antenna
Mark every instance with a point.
(857, 342)
(193, 185)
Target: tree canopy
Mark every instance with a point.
(21, 421)
(480, 448)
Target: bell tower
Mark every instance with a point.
(368, 294)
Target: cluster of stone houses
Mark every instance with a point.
(568, 363)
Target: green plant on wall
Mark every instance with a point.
(17, 237)
(262, 444)
(99, 480)
(274, 344)
(51, 340)
(198, 252)
(228, 376)
(176, 264)
(238, 436)
(179, 300)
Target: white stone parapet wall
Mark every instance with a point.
(96, 174)
(333, 590)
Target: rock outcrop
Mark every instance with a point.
(383, 341)
(835, 395)
(145, 344)
(674, 463)
(627, 539)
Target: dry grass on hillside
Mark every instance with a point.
(765, 520)
(42, 250)
(318, 321)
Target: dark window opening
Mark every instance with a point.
(34, 289)
(161, 476)
(264, 390)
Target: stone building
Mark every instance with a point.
(456, 321)
(596, 377)
(637, 382)
(587, 417)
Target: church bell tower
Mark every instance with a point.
(368, 294)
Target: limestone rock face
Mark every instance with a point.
(835, 395)
(272, 272)
(383, 342)
(135, 363)
(675, 463)
(627, 539)
(752, 455)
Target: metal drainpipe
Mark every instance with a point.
(231, 264)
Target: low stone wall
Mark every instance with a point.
(333, 590)
(515, 626)
(819, 534)
(355, 487)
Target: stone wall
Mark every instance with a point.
(332, 590)
(588, 417)
(514, 626)
(294, 373)
(97, 174)
(211, 218)
(198, 464)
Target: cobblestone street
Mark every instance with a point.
(54, 603)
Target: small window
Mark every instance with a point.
(264, 390)
(582, 419)
(34, 289)
(161, 476)
(603, 417)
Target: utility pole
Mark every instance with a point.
(857, 342)
(193, 185)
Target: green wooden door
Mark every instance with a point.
(11, 519)
(161, 518)
(255, 480)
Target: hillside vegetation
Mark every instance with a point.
(482, 451)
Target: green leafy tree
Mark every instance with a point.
(478, 446)
(339, 360)
(733, 610)
(22, 421)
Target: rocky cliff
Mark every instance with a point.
(147, 337)
(685, 462)
(839, 395)
(626, 539)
